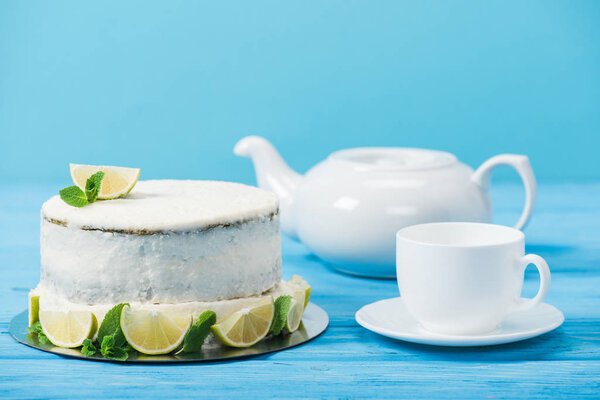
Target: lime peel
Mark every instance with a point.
(298, 281)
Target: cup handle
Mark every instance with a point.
(521, 164)
(544, 271)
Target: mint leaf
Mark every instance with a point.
(37, 329)
(108, 342)
(117, 353)
(197, 334)
(111, 325)
(110, 350)
(128, 348)
(282, 307)
(113, 344)
(88, 349)
(43, 339)
(92, 186)
(73, 196)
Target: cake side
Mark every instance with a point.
(94, 267)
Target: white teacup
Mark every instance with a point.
(464, 278)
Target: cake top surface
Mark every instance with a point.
(167, 205)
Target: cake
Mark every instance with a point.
(170, 245)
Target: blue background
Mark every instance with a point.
(171, 86)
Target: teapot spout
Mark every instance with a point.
(274, 175)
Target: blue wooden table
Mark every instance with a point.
(347, 361)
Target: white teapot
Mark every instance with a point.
(348, 208)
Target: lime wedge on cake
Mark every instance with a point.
(117, 181)
(297, 280)
(294, 316)
(247, 326)
(68, 329)
(34, 308)
(154, 332)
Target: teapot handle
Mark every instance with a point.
(521, 164)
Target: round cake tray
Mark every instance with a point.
(314, 322)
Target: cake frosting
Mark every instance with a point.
(167, 206)
(168, 242)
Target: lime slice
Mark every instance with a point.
(294, 316)
(247, 326)
(34, 308)
(154, 332)
(68, 329)
(301, 283)
(117, 182)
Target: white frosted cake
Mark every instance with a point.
(167, 242)
(169, 245)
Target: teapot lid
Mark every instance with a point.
(394, 158)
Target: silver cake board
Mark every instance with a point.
(314, 322)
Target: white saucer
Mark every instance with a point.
(390, 318)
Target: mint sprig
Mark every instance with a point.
(198, 333)
(88, 349)
(282, 307)
(111, 340)
(111, 325)
(110, 349)
(113, 344)
(92, 186)
(76, 197)
(36, 329)
(73, 196)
